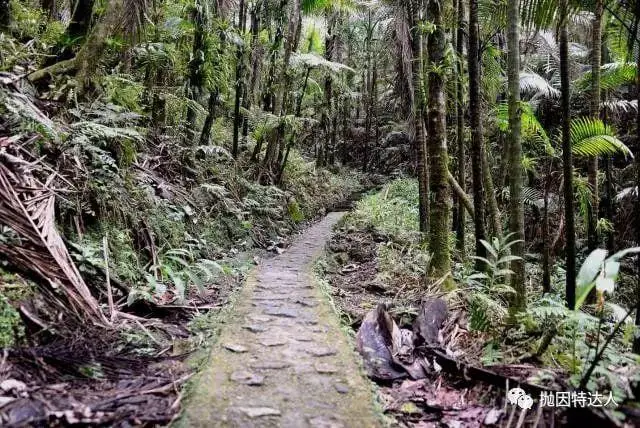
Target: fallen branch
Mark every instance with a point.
(460, 193)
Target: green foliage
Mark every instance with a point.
(591, 137)
(489, 293)
(11, 328)
(393, 211)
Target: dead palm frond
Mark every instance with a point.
(27, 207)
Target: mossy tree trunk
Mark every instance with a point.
(414, 15)
(516, 203)
(460, 140)
(437, 146)
(476, 131)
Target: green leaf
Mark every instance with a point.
(587, 275)
(489, 248)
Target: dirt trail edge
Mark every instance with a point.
(282, 359)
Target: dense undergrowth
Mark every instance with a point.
(377, 256)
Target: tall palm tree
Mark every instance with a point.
(460, 233)
(414, 13)
(567, 159)
(596, 40)
(516, 211)
(476, 131)
(437, 146)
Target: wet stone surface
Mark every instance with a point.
(282, 359)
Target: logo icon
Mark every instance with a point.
(519, 397)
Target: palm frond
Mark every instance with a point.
(591, 137)
(620, 106)
(537, 86)
(27, 207)
(612, 76)
(316, 61)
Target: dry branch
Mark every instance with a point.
(27, 208)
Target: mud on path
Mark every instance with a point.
(282, 359)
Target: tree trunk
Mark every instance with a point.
(256, 56)
(592, 174)
(195, 83)
(476, 131)
(567, 159)
(414, 14)
(460, 230)
(636, 341)
(205, 135)
(492, 209)
(5, 15)
(437, 145)
(516, 204)
(275, 147)
(546, 253)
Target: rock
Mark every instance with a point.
(325, 368)
(307, 303)
(282, 312)
(325, 422)
(341, 388)
(255, 328)
(258, 412)
(234, 347)
(272, 341)
(321, 351)
(273, 365)
(247, 378)
(259, 318)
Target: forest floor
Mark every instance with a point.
(281, 359)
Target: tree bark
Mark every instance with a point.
(460, 229)
(195, 82)
(592, 167)
(437, 146)
(414, 14)
(567, 159)
(636, 341)
(5, 15)
(516, 204)
(476, 131)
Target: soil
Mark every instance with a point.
(282, 358)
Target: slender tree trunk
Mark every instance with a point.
(239, 86)
(476, 131)
(460, 230)
(414, 14)
(516, 204)
(636, 342)
(492, 209)
(256, 56)
(437, 145)
(205, 135)
(275, 148)
(592, 168)
(546, 253)
(195, 83)
(567, 159)
(5, 15)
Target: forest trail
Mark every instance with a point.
(282, 359)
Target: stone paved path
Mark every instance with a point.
(282, 359)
